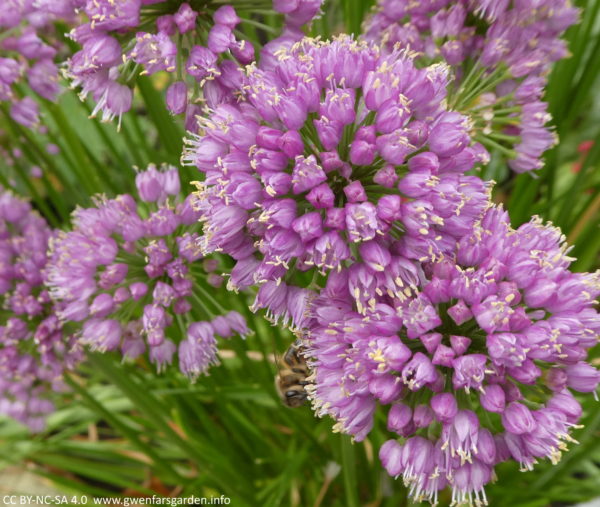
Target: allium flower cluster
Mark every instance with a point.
(28, 49)
(189, 45)
(329, 155)
(132, 273)
(474, 363)
(34, 352)
(502, 52)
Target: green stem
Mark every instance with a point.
(494, 144)
(349, 472)
(262, 26)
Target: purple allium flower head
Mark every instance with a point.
(485, 327)
(282, 189)
(34, 349)
(115, 50)
(29, 50)
(501, 52)
(131, 265)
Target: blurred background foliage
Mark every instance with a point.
(124, 431)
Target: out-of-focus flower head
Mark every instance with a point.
(473, 367)
(34, 350)
(329, 155)
(29, 52)
(501, 51)
(195, 46)
(132, 273)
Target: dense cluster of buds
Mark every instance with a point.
(28, 48)
(34, 351)
(501, 52)
(133, 275)
(476, 360)
(336, 148)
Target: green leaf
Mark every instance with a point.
(168, 127)
(130, 434)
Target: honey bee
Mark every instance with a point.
(292, 378)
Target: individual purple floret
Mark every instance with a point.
(329, 155)
(297, 14)
(501, 51)
(34, 350)
(154, 52)
(25, 111)
(479, 347)
(131, 273)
